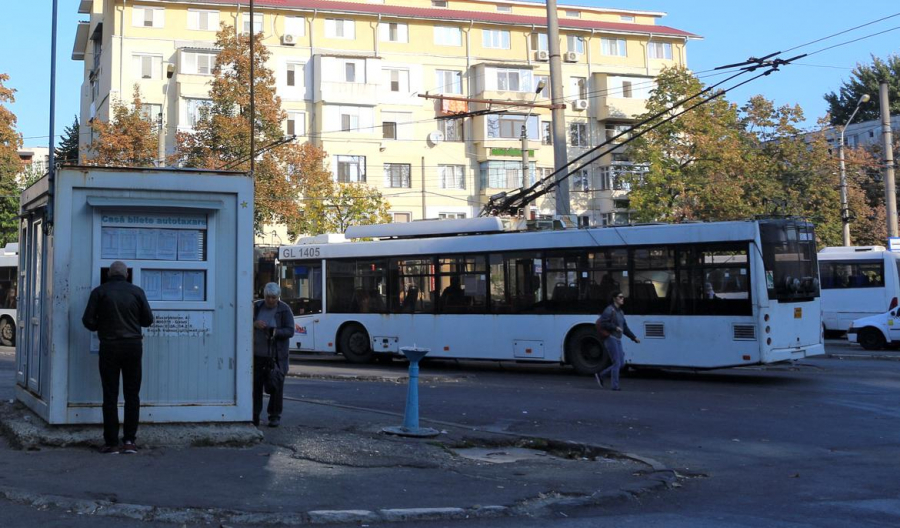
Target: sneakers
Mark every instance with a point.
(129, 448)
(274, 422)
(599, 381)
(109, 450)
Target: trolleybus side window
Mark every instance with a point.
(790, 260)
(714, 280)
(654, 279)
(516, 282)
(463, 284)
(411, 285)
(563, 292)
(301, 287)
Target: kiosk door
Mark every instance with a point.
(32, 304)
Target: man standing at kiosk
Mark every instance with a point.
(117, 310)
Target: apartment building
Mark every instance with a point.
(350, 76)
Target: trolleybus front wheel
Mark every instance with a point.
(355, 346)
(585, 352)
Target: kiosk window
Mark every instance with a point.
(130, 243)
(174, 285)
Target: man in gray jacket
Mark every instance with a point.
(117, 310)
(613, 321)
(273, 326)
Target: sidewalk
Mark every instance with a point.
(325, 464)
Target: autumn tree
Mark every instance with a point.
(285, 171)
(68, 149)
(865, 80)
(10, 166)
(127, 140)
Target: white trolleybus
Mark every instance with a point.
(9, 274)
(701, 295)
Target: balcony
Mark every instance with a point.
(618, 108)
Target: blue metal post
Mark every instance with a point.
(410, 425)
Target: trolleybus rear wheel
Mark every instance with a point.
(355, 344)
(585, 352)
(7, 332)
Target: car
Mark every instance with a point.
(876, 331)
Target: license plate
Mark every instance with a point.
(798, 313)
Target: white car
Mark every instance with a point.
(876, 331)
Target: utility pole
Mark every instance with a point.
(252, 98)
(560, 154)
(890, 191)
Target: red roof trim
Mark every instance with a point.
(449, 14)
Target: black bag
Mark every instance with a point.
(273, 379)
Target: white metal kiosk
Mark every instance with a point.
(187, 238)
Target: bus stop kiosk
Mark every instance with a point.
(187, 238)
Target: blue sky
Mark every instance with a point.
(732, 31)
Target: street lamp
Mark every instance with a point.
(845, 208)
(537, 90)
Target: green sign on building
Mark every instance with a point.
(510, 152)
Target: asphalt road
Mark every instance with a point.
(809, 444)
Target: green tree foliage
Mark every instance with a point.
(720, 162)
(10, 166)
(865, 80)
(68, 151)
(284, 173)
(128, 140)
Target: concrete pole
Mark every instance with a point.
(890, 191)
(845, 209)
(560, 152)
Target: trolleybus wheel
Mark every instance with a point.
(7, 332)
(871, 339)
(355, 344)
(585, 352)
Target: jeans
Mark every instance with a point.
(617, 355)
(276, 401)
(125, 358)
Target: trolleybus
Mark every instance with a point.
(699, 295)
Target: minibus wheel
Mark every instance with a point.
(871, 339)
(585, 352)
(354, 343)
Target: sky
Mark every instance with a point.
(731, 31)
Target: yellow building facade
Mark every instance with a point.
(351, 76)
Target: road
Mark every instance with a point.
(810, 444)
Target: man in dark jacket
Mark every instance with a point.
(273, 326)
(613, 321)
(117, 310)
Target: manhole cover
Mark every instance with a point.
(503, 455)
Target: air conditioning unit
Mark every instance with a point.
(289, 39)
(542, 55)
(579, 104)
(436, 137)
(570, 56)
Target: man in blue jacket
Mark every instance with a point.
(613, 321)
(117, 310)
(273, 326)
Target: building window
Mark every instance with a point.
(438, 3)
(546, 133)
(627, 92)
(581, 180)
(147, 66)
(575, 43)
(402, 217)
(447, 36)
(151, 112)
(350, 169)
(614, 129)
(397, 80)
(573, 14)
(452, 129)
(452, 176)
(613, 47)
(151, 17)
(578, 134)
(495, 38)
(294, 25)
(340, 28)
(504, 174)
(257, 23)
(396, 174)
(296, 123)
(504, 8)
(451, 216)
(505, 126)
(626, 18)
(540, 42)
(349, 118)
(509, 80)
(578, 87)
(294, 75)
(393, 32)
(203, 20)
(195, 110)
(449, 81)
(198, 63)
(389, 129)
(660, 50)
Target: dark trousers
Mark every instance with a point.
(276, 401)
(124, 358)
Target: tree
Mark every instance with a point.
(865, 80)
(68, 149)
(283, 173)
(10, 166)
(128, 140)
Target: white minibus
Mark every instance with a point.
(856, 281)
